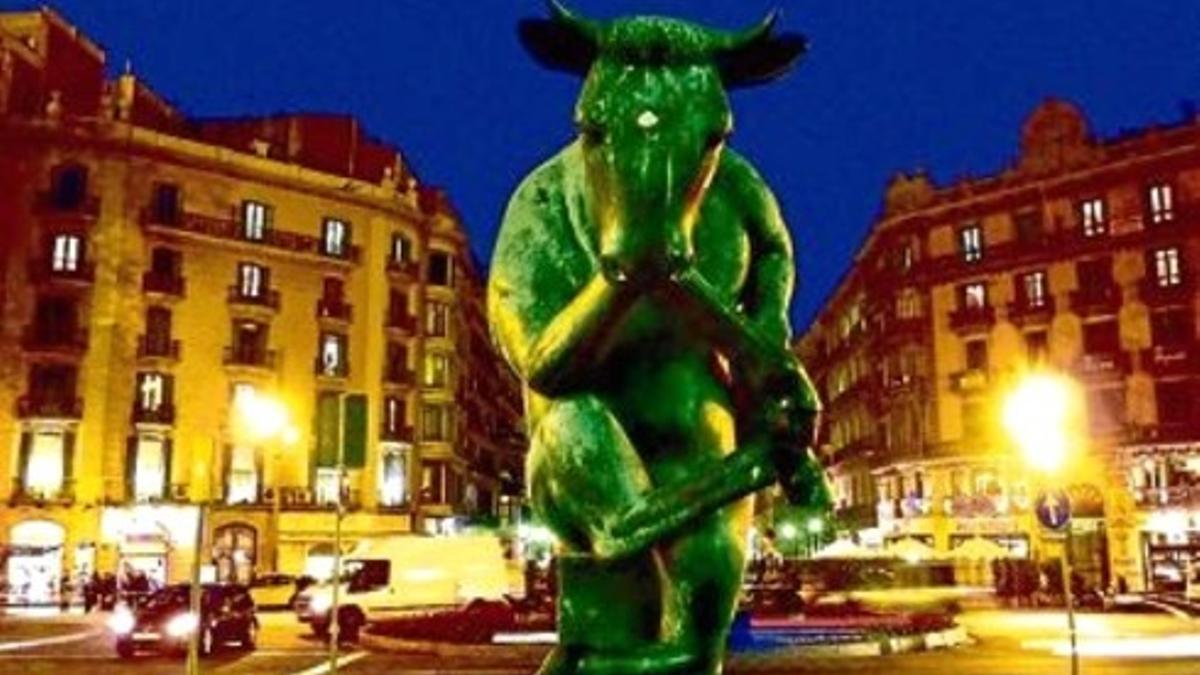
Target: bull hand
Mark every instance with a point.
(789, 413)
(643, 257)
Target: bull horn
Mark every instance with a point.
(731, 41)
(592, 30)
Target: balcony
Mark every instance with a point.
(250, 357)
(1021, 313)
(334, 310)
(169, 285)
(295, 498)
(157, 348)
(1179, 496)
(969, 381)
(42, 272)
(1096, 300)
(49, 407)
(265, 299)
(1156, 295)
(402, 322)
(1104, 365)
(898, 330)
(399, 377)
(55, 340)
(1181, 359)
(64, 495)
(973, 319)
(341, 369)
(232, 230)
(407, 270)
(48, 205)
(163, 414)
(856, 517)
(400, 434)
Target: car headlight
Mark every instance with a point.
(181, 625)
(122, 621)
(321, 604)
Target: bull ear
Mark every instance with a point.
(761, 60)
(557, 45)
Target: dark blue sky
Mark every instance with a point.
(888, 85)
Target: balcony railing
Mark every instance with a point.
(399, 434)
(256, 358)
(49, 407)
(339, 369)
(265, 298)
(1182, 496)
(55, 339)
(165, 284)
(23, 494)
(1096, 300)
(233, 230)
(400, 377)
(1156, 295)
(158, 348)
(47, 203)
(402, 321)
(43, 271)
(1171, 359)
(973, 319)
(306, 498)
(1022, 313)
(969, 380)
(1104, 364)
(337, 310)
(163, 414)
(403, 268)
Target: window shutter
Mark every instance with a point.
(23, 457)
(168, 450)
(327, 430)
(68, 455)
(131, 448)
(356, 431)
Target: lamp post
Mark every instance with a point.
(815, 527)
(787, 532)
(1037, 415)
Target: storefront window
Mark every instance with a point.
(235, 552)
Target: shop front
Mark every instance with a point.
(150, 541)
(34, 567)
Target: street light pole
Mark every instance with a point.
(337, 536)
(1069, 597)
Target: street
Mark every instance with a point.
(1007, 643)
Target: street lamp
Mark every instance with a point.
(788, 532)
(1038, 415)
(815, 527)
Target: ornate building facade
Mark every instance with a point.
(157, 272)
(1080, 258)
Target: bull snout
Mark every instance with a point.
(645, 253)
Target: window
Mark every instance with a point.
(441, 269)
(1028, 226)
(153, 391)
(327, 485)
(1101, 337)
(393, 469)
(397, 362)
(970, 243)
(977, 354)
(1106, 409)
(973, 296)
(334, 362)
(437, 369)
(243, 392)
(973, 420)
(67, 253)
(1037, 346)
(165, 204)
(1094, 276)
(335, 237)
(402, 248)
(166, 263)
(243, 475)
(256, 220)
(252, 280)
(158, 331)
(70, 187)
(1091, 217)
(908, 305)
(1160, 203)
(1171, 328)
(1033, 290)
(1167, 268)
(435, 422)
(150, 468)
(249, 342)
(393, 414)
(1174, 401)
(437, 316)
(434, 487)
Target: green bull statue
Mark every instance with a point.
(640, 287)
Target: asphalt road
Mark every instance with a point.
(1008, 644)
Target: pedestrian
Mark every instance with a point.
(64, 592)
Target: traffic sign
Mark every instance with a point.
(1053, 509)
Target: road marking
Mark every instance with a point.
(322, 668)
(41, 642)
(1170, 609)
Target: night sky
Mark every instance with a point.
(888, 85)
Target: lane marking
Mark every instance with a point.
(41, 642)
(343, 661)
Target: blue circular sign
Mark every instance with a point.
(1053, 508)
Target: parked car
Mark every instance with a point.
(273, 591)
(164, 621)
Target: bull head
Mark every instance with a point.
(653, 118)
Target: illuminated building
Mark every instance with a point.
(156, 268)
(1078, 258)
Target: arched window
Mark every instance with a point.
(235, 549)
(69, 186)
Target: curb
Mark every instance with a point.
(517, 654)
